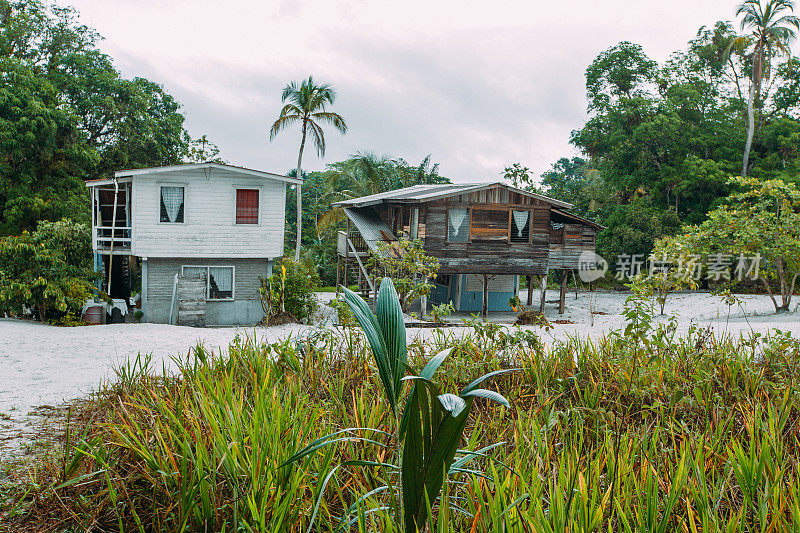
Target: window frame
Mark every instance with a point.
(161, 185)
(469, 224)
(236, 189)
(208, 281)
(511, 223)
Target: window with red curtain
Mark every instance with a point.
(247, 206)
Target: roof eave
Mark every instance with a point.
(200, 166)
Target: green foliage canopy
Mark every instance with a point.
(47, 271)
(66, 115)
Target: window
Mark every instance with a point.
(458, 224)
(172, 204)
(247, 206)
(414, 230)
(397, 220)
(219, 280)
(520, 226)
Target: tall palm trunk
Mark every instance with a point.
(299, 176)
(751, 128)
(755, 85)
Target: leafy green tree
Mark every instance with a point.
(307, 106)
(566, 180)
(405, 262)
(67, 115)
(771, 28)
(47, 271)
(671, 268)
(519, 176)
(762, 219)
(623, 72)
(202, 150)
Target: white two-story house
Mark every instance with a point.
(219, 225)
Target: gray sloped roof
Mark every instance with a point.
(370, 226)
(426, 193)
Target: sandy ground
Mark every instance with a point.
(43, 365)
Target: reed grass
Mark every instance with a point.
(655, 432)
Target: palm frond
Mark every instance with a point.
(317, 137)
(334, 119)
(284, 121)
(330, 217)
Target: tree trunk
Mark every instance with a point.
(299, 176)
(769, 291)
(751, 126)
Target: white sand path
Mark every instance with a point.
(46, 365)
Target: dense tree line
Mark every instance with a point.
(662, 140)
(67, 115)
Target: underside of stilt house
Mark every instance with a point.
(485, 236)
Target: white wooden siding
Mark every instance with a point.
(209, 228)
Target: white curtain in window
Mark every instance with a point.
(223, 278)
(521, 220)
(173, 200)
(457, 217)
(414, 222)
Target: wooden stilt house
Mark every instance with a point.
(485, 236)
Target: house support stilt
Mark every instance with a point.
(563, 294)
(530, 290)
(543, 292)
(485, 304)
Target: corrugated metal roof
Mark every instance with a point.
(426, 193)
(370, 226)
(578, 218)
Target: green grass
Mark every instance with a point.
(654, 433)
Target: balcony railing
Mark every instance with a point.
(358, 243)
(104, 235)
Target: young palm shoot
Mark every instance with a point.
(429, 424)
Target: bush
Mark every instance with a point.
(289, 292)
(528, 316)
(438, 312)
(405, 263)
(47, 272)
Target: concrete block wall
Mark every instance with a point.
(244, 310)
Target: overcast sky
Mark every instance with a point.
(478, 85)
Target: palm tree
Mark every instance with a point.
(363, 174)
(306, 105)
(772, 29)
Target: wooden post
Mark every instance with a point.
(563, 294)
(575, 281)
(347, 252)
(530, 290)
(544, 290)
(485, 305)
(338, 273)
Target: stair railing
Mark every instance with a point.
(361, 266)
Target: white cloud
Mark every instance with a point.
(477, 85)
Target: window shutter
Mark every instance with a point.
(247, 206)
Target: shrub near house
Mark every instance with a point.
(47, 272)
